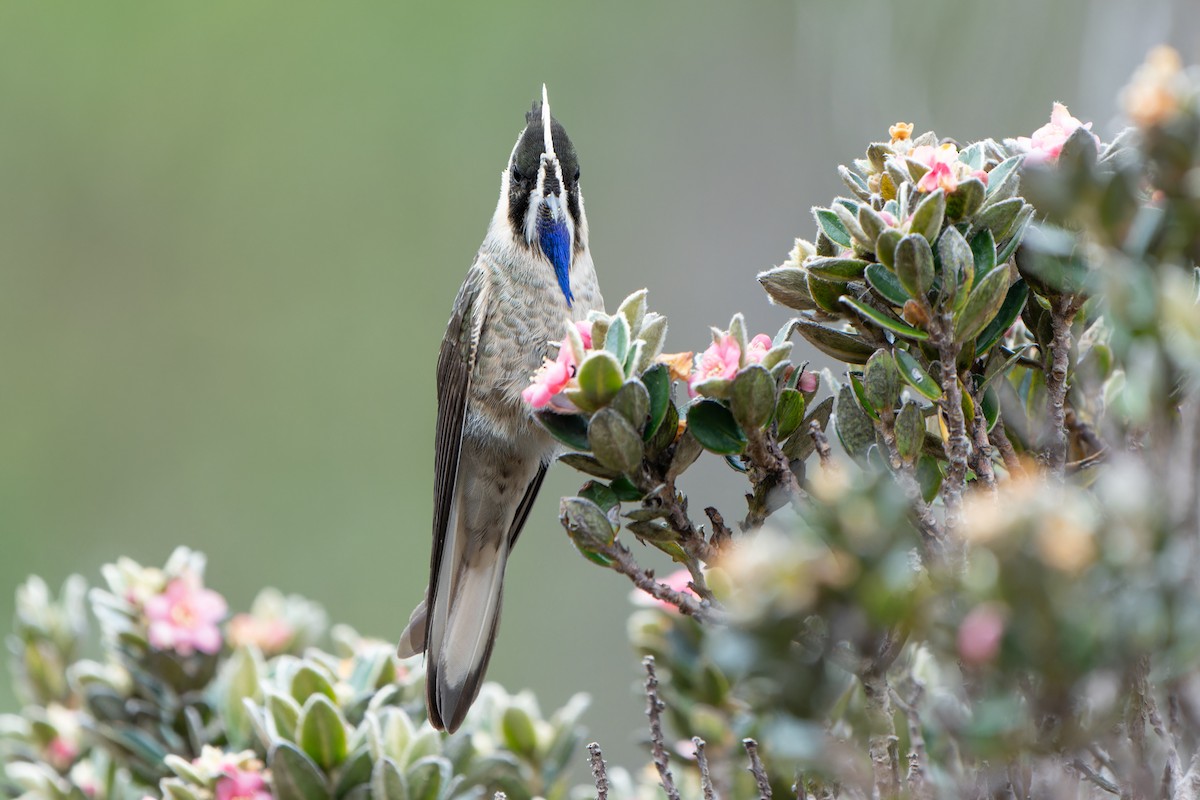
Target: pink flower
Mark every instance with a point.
(929, 155)
(981, 175)
(184, 617)
(939, 176)
(979, 634)
(269, 634)
(888, 218)
(757, 349)
(809, 382)
(720, 360)
(551, 379)
(585, 332)
(1047, 141)
(61, 753)
(242, 785)
(678, 581)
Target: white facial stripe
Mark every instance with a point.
(547, 138)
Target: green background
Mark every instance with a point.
(231, 233)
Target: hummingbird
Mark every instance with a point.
(532, 276)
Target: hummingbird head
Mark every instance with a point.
(541, 186)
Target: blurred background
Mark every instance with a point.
(231, 233)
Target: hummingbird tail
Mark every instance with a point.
(461, 636)
(412, 641)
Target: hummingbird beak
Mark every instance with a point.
(550, 179)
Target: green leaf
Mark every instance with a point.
(357, 772)
(615, 442)
(861, 394)
(928, 215)
(625, 491)
(666, 433)
(832, 227)
(885, 247)
(294, 776)
(518, 732)
(972, 155)
(998, 218)
(884, 321)
(800, 444)
(322, 732)
(966, 200)
(616, 341)
(910, 431)
(871, 223)
(990, 405)
(788, 286)
(307, 681)
(657, 381)
(600, 494)
(588, 465)
(285, 712)
(752, 397)
(570, 429)
(886, 284)
(915, 375)
(914, 265)
(929, 478)
(982, 306)
(789, 413)
(1004, 178)
(983, 253)
(958, 268)
(825, 293)
(836, 269)
(1016, 233)
(715, 428)
(427, 777)
(239, 680)
(586, 524)
(387, 783)
(1014, 301)
(854, 427)
(836, 344)
(600, 376)
(633, 309)
(881, 381)
(633, 403)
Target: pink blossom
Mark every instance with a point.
(551, 379)
(929, 155)
(585, 332)
(61, 753)
(720, 360)
(238, 784)
(939, 176)
(184, 617)
(1047, 141)
(981, 175)
(980, 633)
(269, 634)
(677, 581)
(757, 349)
(889, 218)
(809, 382)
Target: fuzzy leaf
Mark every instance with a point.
(570, 429)
(615, 442)
(294, 776)
(966, 200)
(752, 397)
(1014, 301)
(881, 381)
(825, 293)
(601, 375)
(886, 284)
(883, 320)
(789, 412)
(885, 247)
(387, 783)
(836, 344)
(715, 429)
(838, 270)
(914, 265)
(633, 403)
(982, 306)
(928, 215)
(915, 376)
(958, 268)
(586, 524)
(788, 286)
(832, 227)
(853, 426)
(910, 431)
(322, 732)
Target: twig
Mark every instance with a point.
(957, 444)
(705, 779)
(771, 476)
(1104, 783)
(757, 770)
(599, 773)
(982, 449)
(721, 535)
(622, 562)
(658, 746)
(999, 438)
(821, 444)
(917, 755)
(1062, 315)
(931, 531)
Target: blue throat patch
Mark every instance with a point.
(556, 244)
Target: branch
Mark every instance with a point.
(1062, 315)
(931, 531)
(999, 438)
(771, 475)
(721, 535)
(757, 770)
(622, 562)
(658, 747)
(957, 445)
(917, 756)
(599, 774)
(1104, 783)
(821, 444)
(982, 447)
(705, 779)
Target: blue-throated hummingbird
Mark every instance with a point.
(533, 275)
